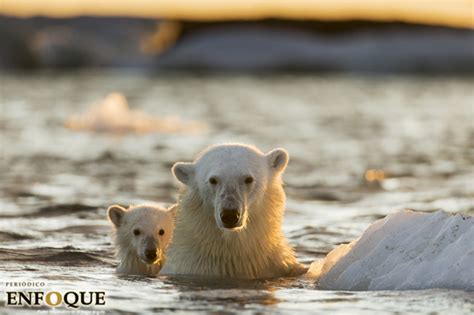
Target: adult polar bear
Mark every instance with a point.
(230, 214)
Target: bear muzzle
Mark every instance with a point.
(230, 212)
(230, 218)
(151, 253)
(151, 256)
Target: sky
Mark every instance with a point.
(457, 13)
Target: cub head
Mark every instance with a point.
(231, 179)
(144, 231)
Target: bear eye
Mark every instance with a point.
(161, 232)
(213, 181)
(136, 232)
(249, 180)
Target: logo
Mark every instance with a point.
(52, 298)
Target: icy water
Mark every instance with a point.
(57, 183)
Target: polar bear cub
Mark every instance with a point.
(142, 235)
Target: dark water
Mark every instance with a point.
(56, 183)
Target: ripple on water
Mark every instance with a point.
(66, 256)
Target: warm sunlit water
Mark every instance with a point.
(56, 183)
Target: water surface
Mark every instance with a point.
(56, 183)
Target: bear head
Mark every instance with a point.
(231, 180)
(143, 231)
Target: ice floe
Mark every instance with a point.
(405, 250)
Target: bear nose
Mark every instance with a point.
(150, 254)
(230, 217)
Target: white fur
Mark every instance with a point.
(148, 220)
(256, 248)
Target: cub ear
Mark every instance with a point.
(183, 172)
(277, 159)
(115, 214)
(173, 210)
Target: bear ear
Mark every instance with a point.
(172, 210)
(184, 172)
(115, 214)
(277, 159)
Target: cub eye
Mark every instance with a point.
(136, 232)
(161, 232)
(249, 180)
(213, 181)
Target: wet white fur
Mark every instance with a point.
(257, 250)
(149, 219)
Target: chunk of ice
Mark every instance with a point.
(405, 250)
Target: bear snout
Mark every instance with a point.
(150, 254)
(230, 218)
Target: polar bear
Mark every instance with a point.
(230, 214)
(142, 235)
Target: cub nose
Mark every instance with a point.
(150, 254)
(230, 217)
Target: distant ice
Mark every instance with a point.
(113, 115)
(406, 250)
